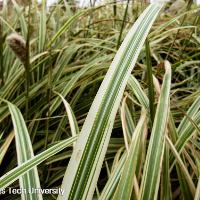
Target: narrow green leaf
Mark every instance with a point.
(134, 85)
(127, 122)
(17, 172)
(67, 24)
(192, 111)
(152, 169)
(42, 28)
(5, 146)
(182, 166)
(186, 134)
(165, 179)
(57, 101)
(42, 31)
(126, 134)
(150, 81)
(113, 180)
(20, 13)
(24, 153)
(172, 130)
(72, 120)
(124, 189)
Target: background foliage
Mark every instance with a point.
(46, 97)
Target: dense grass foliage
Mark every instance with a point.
(124, 133)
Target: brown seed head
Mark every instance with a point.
(18, 46)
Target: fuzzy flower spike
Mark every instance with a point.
(18, 46)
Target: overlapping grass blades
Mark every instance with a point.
(70, 52)
(85, 164)
(17, 172)
(24, 153)
(125, 186)
(5, 146)
(154, 158)
(72, 120)
(112, 183)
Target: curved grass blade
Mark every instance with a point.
(72, 120)
(19, 11)
(165, 193)
(149, 72)
(42, 36)
(67, 24)
(83, 170)
(5, 146)
(172, 130)
(134, 85)
(42, 28)
(24, 152)
(126, 133)
(182, 166)
(57, 101)
(187, 133)
(17, 172)
(113, 180)
(152, 169)
(191, 112)
(124, 189)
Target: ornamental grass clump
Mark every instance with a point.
(109, 117)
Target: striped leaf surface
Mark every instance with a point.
(17, 172)
(124, 189)
(82, 173)
(152, 169)
(24, 153)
